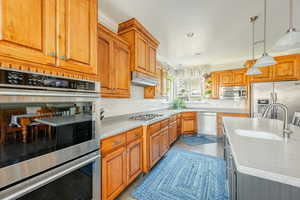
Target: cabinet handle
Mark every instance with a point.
(116, 143)
(136, 134)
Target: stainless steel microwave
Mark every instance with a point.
(236, 92)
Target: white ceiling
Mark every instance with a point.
(221, 27)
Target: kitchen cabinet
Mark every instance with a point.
(121, 161)
(286, 69)
(143, 46)
(172, 132)
(232, 77)
(164, 141)
(215, 84)
(160, 90)
(188, 123)
(239, 77)
(226, 78)
(113, 64)
(220, 122)
(154, 148)
(149, 92)
(178, 125)
(114, 173)
(48, 37)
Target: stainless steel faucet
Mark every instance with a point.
(286, 128)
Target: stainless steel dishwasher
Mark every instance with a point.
(207, 123)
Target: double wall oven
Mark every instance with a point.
(49, 145)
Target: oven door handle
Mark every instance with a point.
(25, 187)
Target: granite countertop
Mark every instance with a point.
(276, 160)
(116, 125)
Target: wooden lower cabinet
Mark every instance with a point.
(114, 178)
(154, 142)
(221, 115)
(121, 162)
(172, 132)
(134, 160)
(164, 141)
(188, 123)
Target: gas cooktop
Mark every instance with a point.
(145, 117)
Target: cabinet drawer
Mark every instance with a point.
(134, 134)
(153, 128)
(173, 118)
(188, 115)
(113, 142)
(164, 123)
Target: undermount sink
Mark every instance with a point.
(257, 134)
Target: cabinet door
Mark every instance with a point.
(226, 78)
(134, 160)
(149, 92)
(215, 78)
(286, 69)
(152, 59)
(239, 77)
(265, 76)
(141, 53)
(188, 125)
(114, 174)
(104, 63)
(164, 141)
(78, 35)
(27, 30)
(172, 132)
(154, 148)
(121, 77)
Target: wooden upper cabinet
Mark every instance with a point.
(226, 78)
(287, 68)
(152, 59)
(121, 69)
(27, 30)
(78, 35)
(215, 82)
(265, 76)
(113, 64)
(239, 77)
(142, 46)
(141, 52)
(104, 62)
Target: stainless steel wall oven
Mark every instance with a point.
(49, 143)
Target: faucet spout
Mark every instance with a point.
(286, 128)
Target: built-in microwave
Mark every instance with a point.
(236, 92)
(49, 137)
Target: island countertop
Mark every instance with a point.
(276, 160)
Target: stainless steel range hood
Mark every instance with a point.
(143, 80)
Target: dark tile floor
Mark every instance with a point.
(214, 149)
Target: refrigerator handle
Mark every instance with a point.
(272, 97)
(275, 100)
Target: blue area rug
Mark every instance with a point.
(194, 140)
(185, 175)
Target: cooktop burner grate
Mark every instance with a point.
(145, 117)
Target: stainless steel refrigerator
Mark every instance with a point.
(285, 92)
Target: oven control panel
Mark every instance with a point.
(33, 80)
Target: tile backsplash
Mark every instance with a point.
(137, 103)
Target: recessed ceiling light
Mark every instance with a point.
(190, 35)
(198, 54)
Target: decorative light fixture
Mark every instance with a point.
(253, 70)
(265, 60)
(291, 40)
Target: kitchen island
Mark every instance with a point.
(261, 164)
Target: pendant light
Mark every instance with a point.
(291, 40)
(265, 60)
(253, 70)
